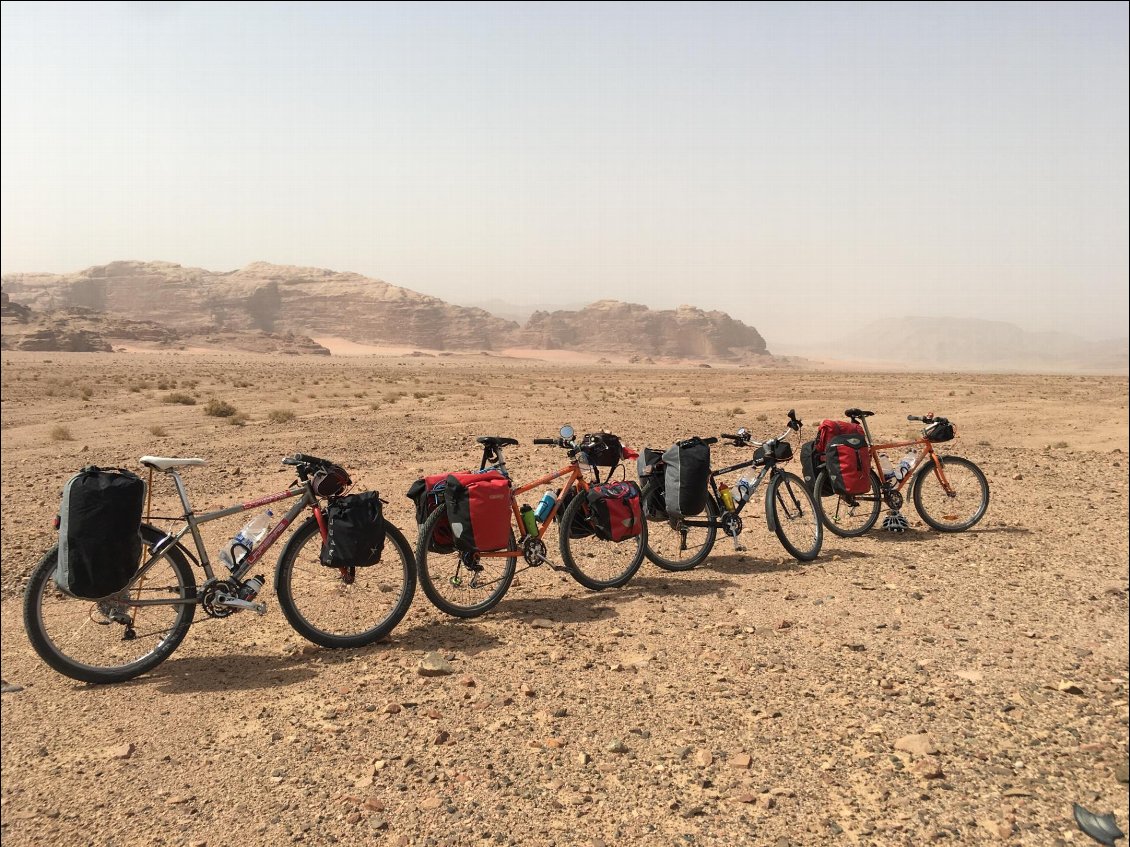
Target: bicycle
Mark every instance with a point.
(132, 631)
(467, 584)
(950, 493)
(789, 508)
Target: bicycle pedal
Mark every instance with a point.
(739, 547)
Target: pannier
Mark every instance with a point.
(355, 535)
(830, 429)
(685, 478)
(602, 450)
(330, 481)
(615, 510)
(427, 494)
(782, 452)
(582, 526)
(811, 464)
(478, 509)
(939, 431)
(648, 472)
(99, 532)
(848, 465)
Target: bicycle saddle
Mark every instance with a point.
(496, 441)
(163, 464)
(857, 413)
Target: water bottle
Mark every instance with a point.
(529, 521)
(726, 496)
(251, 534)
(745, 486)
(544, 506)
(251, 588)
(885, 464)
(905, 464)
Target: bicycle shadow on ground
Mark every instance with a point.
(601, 605)
(743, 563)
(830, 554)
(227, 672)
(910, 536)
(447, 634)
(1008, 530)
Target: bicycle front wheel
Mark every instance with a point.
(344, 607)
(681, 547)
(464, 585)
(111, 640)
(595, 563)
(846, 516)
(791, 512)
(956, 511)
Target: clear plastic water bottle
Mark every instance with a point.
(905, 464)
(744, 486)
(545, 505)
(885, 464)
(251, 534)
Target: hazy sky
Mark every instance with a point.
(800, 166)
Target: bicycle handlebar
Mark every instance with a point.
(550, 441)
(305, 459)
(930, 418)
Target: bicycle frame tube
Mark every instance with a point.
(574, 474)
(926, 453)
(756, 482)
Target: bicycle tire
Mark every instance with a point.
(838, 521)
(429, 561)
(929, 472)
(306, 588)
(660, 532)
(576, 548)
(794, 507)
(36, 596)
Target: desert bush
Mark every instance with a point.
(61, 433)
(180, 398)
(219, 408)
(238, 419)
(280, 416)
(158, 431)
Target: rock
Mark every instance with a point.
(542, 623)
(784, 624)
(571, 798)
(970, 676)
(917, 745)
(374, 804)
(433, 664)
(703, 758)
(1120, 772)
(766, 801)
(582, 758)
(9, 688)
(555, 743)
(995, 828)
(1068, 688)
(928, 768)
(616, 746)
(353, 817)
(121, 751)
(430, 803)
(442, 737)
(392, 709)
(741, 761)
(745, 798)
(467, 681)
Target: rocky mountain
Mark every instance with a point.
(609, 326)
(970, 343)
(276, 299)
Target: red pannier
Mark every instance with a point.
(615, 510)
(830, 429)
(479, 510)
(427, 494)
(848, 463)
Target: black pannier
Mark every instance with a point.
(940, 430)
(427, 494)
(685, 478)
(649, 471)
(582, 526)
(782, 452)
(355, 531)
(99, 532)
(811, 463)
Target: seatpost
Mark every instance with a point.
(182, 492)
(866, 431)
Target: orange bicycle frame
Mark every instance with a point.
(576, 479)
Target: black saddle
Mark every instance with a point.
(496, 441)
(857, 413)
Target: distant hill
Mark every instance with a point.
(297, 301)
(973, 344)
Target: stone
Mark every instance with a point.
(542, 623)
(616, 746)
(741, 761)
(1120, 772)
(392, 709)
(9, 687)
(433, 664)
(703, 758)
(997, 829)
(928, 768)
(430, 803)
(120, 751)
(970, 676)
(1068, 688)
(917, 745)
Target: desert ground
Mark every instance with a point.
(754, 700)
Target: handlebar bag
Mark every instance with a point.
(939, 431)
(847, 462)
(614, 510)
(99, 532)
(782, 452)
(603, 450)
(685, 478)
(355, 535)
(427, 494)
(811, 463)
(478, 509)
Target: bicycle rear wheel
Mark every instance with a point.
(845, 516)
(791, 512)
(956, 512)
(682, 547)
(110, 640)
(594, 562)
(464, 585)
(344, 607)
